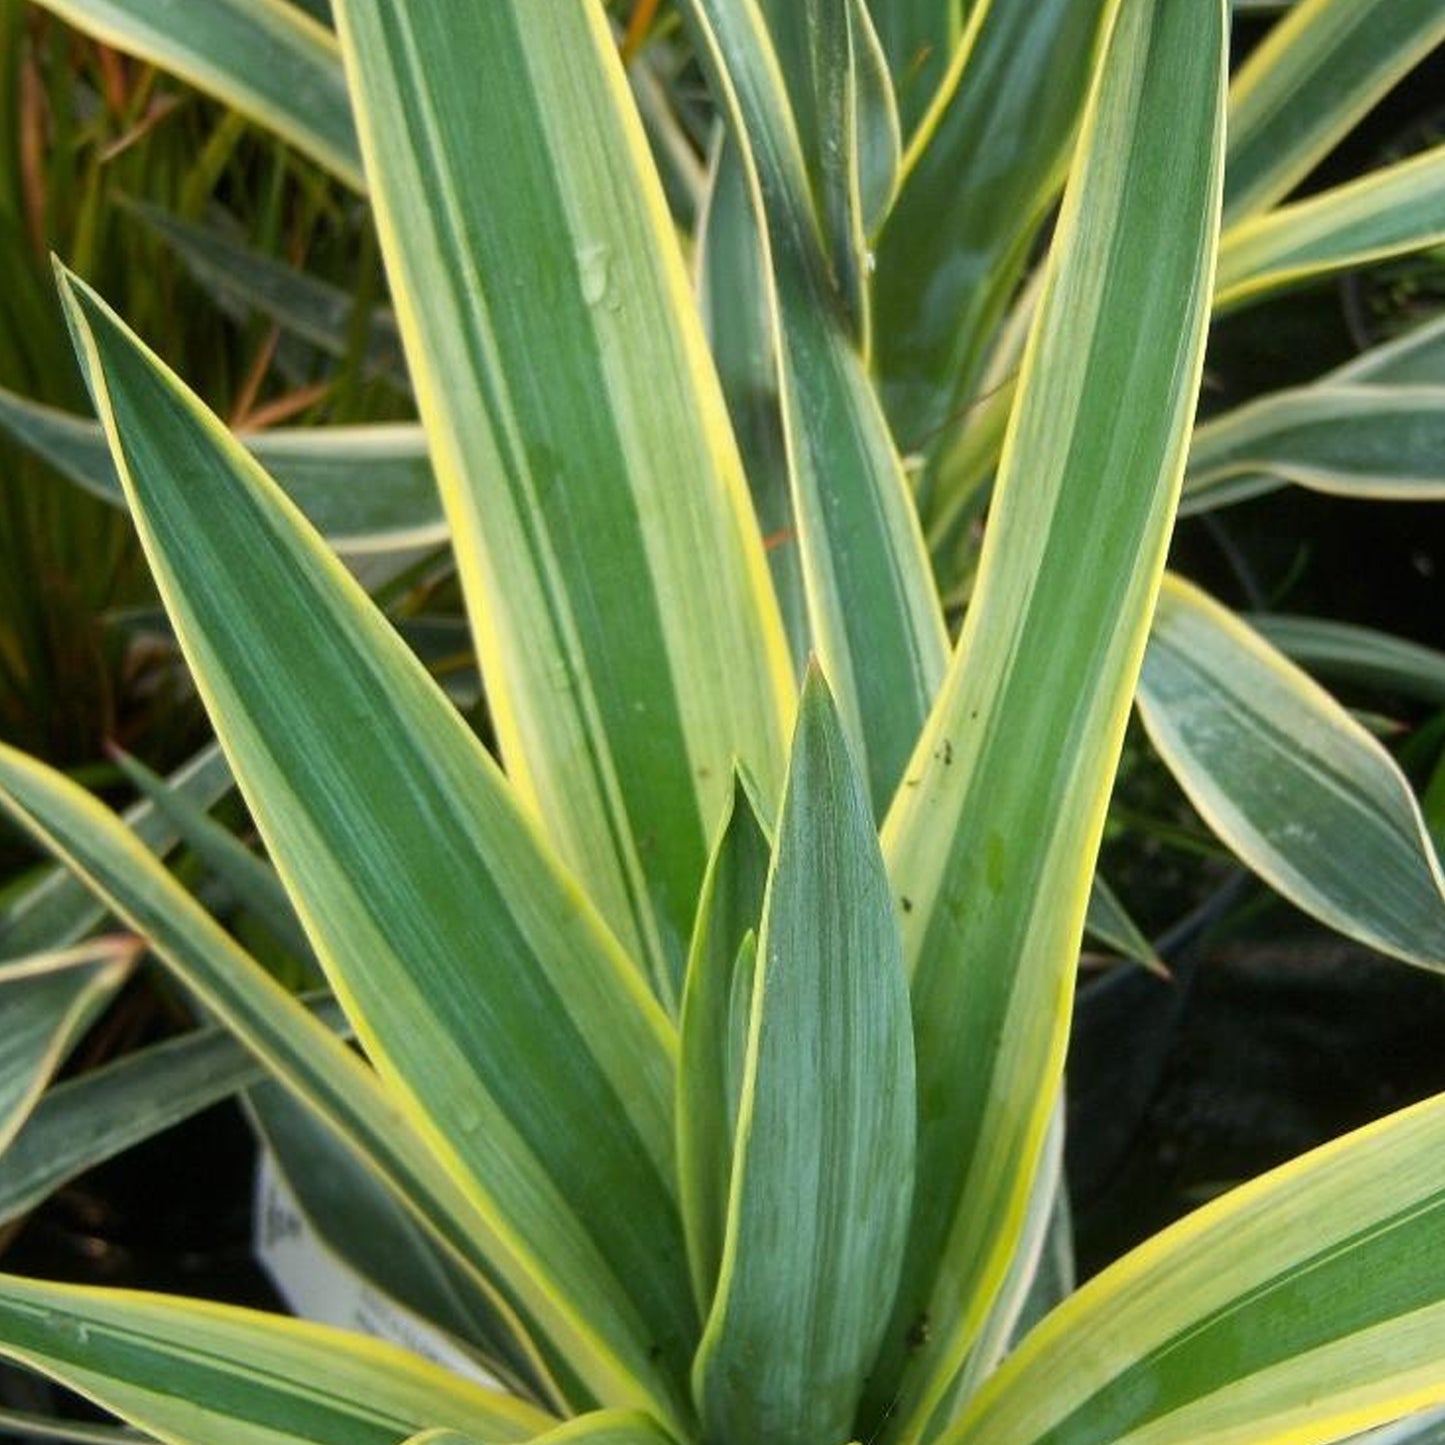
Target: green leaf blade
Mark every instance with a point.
(982, 175)
(421, 885)
(1303, 1307)
(823, 1167)
(367, 488)
(992, 839)
(267, 58)
(1282, 773)
(714, 1033)
(82, 1122)
(1389, 212)
(875, 617)
(1380, 442)
(47, 1003)
(294, 1047)
(580, 441)
(1315, 74)
(208, 1374)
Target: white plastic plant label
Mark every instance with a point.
(318, 1286)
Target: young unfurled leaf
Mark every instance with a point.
(822, 1174)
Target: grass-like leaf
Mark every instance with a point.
(715, 1016)
(874, 614)
(267, 58)
(1390, 212)
(423, 887)
(1300, 1308)
(210, 1375)
(994, 833)
(1289, 780)
(580, 442)
(47, 1003)
(1316, 74)
(366, 488)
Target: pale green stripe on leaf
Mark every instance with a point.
(266, 58)
(297, 1049)
(484, 987)
(1314, 76)
(629, 641)
(875, 618)
(982, 175)
(1389, 212)
(215, 1375)
(1380, 442)
(47, 1002)
(715, 1012)
(366, 488)
(993, 837)
(822, 1174)
(1293, 1311)
(1289, 780)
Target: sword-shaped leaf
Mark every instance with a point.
(919, 37)
(486, 991)
(85, 1121)
(266, 58)
(1390, 212)
(716, 1009)
(1110, 923)
(1284, 775)
(736, 300)
(206, 1374)
(57, 909)
(1357, 654)
(366, 488)
(993, 837)
(275, 1027)
(1403, 377)
(251, 880)
(245, 281)
(981, 175)
(1380, 442)
(1316, 74)
(361, 1222)
(835, 77)
(1294, 1311)
(47, 1002)
(628, 638)
(875, 617)
(822, 1174)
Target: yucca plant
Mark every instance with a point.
(710, 1047)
